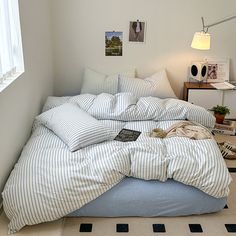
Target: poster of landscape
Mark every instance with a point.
(114, 43)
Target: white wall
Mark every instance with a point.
(23, 99)
(79, 27)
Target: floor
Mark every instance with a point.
(218, 224)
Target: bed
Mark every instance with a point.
(60, 175)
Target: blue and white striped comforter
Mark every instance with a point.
(49, 181)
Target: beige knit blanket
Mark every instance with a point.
(183, 129)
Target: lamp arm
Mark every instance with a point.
(206, 27)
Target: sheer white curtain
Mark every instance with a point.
(11, 55)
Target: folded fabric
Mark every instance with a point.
(183, 129)
(75, 127)
(127, 107)
(188, 129)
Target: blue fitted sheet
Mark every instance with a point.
(135, 197)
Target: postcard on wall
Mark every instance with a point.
(137, 31)
(113, 43)
(218, 70)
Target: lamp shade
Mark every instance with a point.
(201, 41)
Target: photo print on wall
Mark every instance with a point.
(113, 43)
(137, 31)
(218, 70)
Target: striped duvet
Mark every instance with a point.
(49, 181)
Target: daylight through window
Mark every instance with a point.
(11, 54)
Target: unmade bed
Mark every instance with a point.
(57, 173)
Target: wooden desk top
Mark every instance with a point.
(196, 85)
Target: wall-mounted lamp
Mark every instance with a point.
(202, 40)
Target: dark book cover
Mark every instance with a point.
(127, 135)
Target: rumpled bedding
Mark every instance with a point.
(49, 181)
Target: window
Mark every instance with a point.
(11, 54)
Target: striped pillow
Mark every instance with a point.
(75, 127)
(97, 83)
(157, 85)
(52, 102)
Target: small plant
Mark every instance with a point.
(220, 112)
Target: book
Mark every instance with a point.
(223, 86)
(127, 135)
(224, 132)
(227, 128)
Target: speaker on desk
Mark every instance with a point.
(199, 70)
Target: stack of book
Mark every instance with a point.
(227, 128)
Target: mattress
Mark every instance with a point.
(136, 197)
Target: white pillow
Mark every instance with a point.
(75, 127)
(157, 85)
(97, 83)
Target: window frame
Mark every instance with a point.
(12, 62)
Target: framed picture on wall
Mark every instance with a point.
(137, 31)
(218, 70)
(113, 43)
